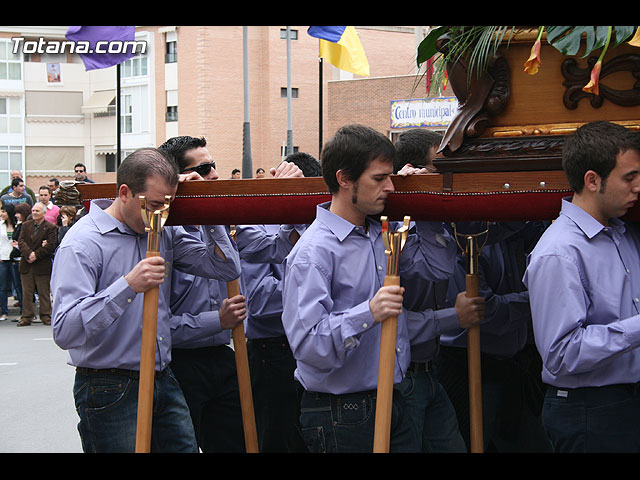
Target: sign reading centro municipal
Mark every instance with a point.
(423, 112)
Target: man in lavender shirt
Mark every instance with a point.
(276, 393)
(202, 359)
(584, 289)
(98, 283)
(334, 299)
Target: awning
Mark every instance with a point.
(99, 101)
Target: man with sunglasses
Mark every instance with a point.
(80, 171)
(202, 359)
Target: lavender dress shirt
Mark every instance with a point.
(584, 290)
(96, 315)
(195, 300)
(263, 249)
(330, 276)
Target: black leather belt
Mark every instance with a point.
(113, 371)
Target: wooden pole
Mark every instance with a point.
(244, 376)
(393, 243)
(153, 225)
(473, 355)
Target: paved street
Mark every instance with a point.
(37, 413)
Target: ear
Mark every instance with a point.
(592, 181)
(343, 179)
(124, 193)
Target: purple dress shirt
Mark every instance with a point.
(330, 276)
(584, 289)
(96, 315)
(263, 249)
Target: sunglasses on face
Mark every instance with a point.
(202, 169)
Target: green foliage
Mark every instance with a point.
(481, 42)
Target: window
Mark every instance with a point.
(126, 115)
(134, 67)
(283, 92)
(10, 159)
(292, 33)
(10, 68)
(172, 114)
(10, 115)
(171, 52)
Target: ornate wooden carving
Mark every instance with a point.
(577, 77)
(479, 97)
(504, 154)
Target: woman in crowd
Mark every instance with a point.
(67, 218)
(7, 241)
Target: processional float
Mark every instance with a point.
(500, 161)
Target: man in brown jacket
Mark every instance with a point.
(37, 243)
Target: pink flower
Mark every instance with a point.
(592, 86)
(533, 62)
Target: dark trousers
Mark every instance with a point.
(593, 419)
(209, 381)
(346, 423)
(512, 396)
(31, 284)
(276, 395)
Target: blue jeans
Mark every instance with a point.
(432, 415)
(593, 419)
(107, 404)
(346, 423)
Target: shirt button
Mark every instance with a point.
(636, 300)
(128, 300)
(160, 338)
(365, 325)
(379, 267)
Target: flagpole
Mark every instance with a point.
(289, 127)
(247, 168)
(320, 106)
(118, 127)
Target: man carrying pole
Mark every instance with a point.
(100, 270)
(334, 297)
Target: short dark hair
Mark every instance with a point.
(235, 170)
(177, 147)
(143, 164)
(351, 150)
(16, 181)
(259, 169)
(413, 147)
(80, 165)
(55, 181)
(307, 163)
(595, 146)
(45, 187)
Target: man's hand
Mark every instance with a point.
(186, 177)
(470, 310)
(285, 170)
(387, 302)
(232, 312)
(409, 169)
(32, 257)
(147, 274)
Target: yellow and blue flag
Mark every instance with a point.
(341, 47)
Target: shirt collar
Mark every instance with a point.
(340, 227)
(104, 221)
(589, 225)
